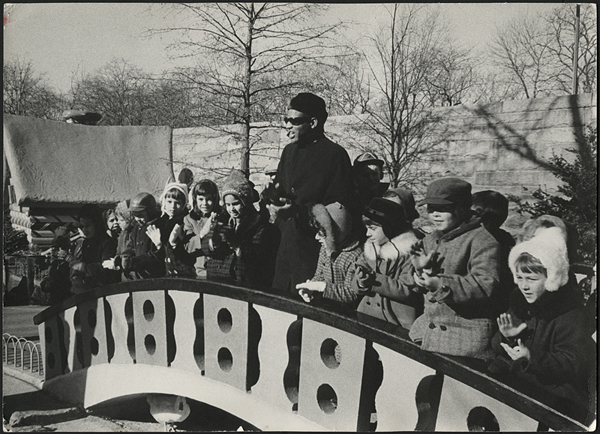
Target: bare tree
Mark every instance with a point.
(240, 48)
(561, 22)
(453, 77)
(403, 57)
(25, 92)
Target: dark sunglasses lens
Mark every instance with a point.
(296, 121)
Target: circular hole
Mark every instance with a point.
(148, 309)
(48, 335)
(94, 346)
(225, 359)
(150, 344)
(225, 321)
(51, 360)
(92, 318)
(331, 353)
(327, 398)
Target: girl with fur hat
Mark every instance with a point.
(204, 202)
(339, 251)
(242, 244)
(169, 239)
(387, 292)
(542, 338)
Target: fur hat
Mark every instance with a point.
(309, 104)
(389, 214)
(568, 230)
(177, 186)
(237, 184)
(336, 220)
(549, 246)
(407, 200)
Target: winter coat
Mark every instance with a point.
(337, 271)
(178, 261)
(192, 225)
(319, 171)
(457, 317)
(252, 262)
(148, 261)
(561, 347)
(393, 297)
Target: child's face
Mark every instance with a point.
(532, 285)
(233, 205)
(443, 220)
(141, 217)
(87, 228)
(112, 223)
(123, 224)
(173, 207)
(321, 238)
(375, 234)
(205, 203)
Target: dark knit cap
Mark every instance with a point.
(390, 215)
(309, 104)
(448, 191)
(237, 184)
(407, 200)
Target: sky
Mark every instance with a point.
(64, 40)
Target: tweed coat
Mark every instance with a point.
(457, 317)
(393, 296)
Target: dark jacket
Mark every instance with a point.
(178, 261)
(457, 318)
(562, 349)
(319, 171)
(57, 283)
(147, 261)
(88, 255)
(246, 255)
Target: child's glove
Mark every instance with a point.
(308, 289)
(365, 277)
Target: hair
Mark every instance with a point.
(92, 212)
(528, 263)
(491, 207)
(107, 213)
(174, 193)
(369, 222)
(205, 187)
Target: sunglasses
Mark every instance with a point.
(297, 121)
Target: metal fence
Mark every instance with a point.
(22, 354)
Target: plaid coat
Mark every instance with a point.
(337, 271)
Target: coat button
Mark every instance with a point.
(431, 325)
(443, 328)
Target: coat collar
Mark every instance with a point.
(551, 304)
(469, 225)
(390, 251)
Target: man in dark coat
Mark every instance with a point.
(312, 170)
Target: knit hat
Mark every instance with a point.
(389, 214)
(309, 104)
(177, 186)
(122, 209)
(336, 220)
(185, 176)
(448, 191)
(549, 246)
(237, 184)
(407, 200)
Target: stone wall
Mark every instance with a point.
(500, 146)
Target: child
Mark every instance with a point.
(339, 252)
(169, 238)
(407, 200)
(492, 208)
(58, 283)
(242, 244)
(145, 259)
(387, 295)
(112, 224)
(126, 220)
(458, 268)
(91, 250)
(542, 337)
(197, 224)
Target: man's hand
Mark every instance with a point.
(430, 283)
(507, 327)
(154, 234)
(518, 352)
(308, 288)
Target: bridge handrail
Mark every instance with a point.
(469, 371)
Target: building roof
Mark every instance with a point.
(53, 162)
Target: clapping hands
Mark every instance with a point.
(365, 277)
(154, 234)
(420, 260)
(176, 234)
(507, 327)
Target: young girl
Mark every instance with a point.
(387, 294)
(197, 224)
(125, 248)
(91, 250)
(169, 238)
(542, 338)
(241, 244)
(339, 251)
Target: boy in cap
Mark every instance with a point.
(367, 172)
(457, 266)
(312, 170)
(381, 276)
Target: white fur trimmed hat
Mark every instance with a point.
(174, 186)
(549, 246)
